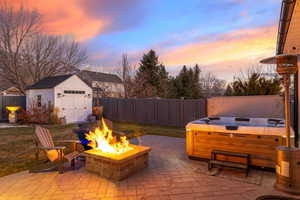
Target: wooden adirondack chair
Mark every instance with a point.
(44, 142)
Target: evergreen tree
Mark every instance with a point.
(228, 91)
(254, 84)
(187, 84)
(151, 74)
(196, 88)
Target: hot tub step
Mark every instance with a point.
(214, 161)
(228, 164)
(228, 153)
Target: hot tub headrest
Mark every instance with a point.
(275, 121)
(242, 119)
(232, 127)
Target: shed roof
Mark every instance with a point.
(49, 82)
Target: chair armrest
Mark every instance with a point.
(53, 148)
(68, 141)
(74, 143)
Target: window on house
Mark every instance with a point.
(39, 100)
(74, 92)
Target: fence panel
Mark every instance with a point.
(10, 101)
(163, 112)
(170, 112)
(175, 113)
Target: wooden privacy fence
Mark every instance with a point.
(10, 101)
(170, 112)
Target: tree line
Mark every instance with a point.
(151, 80)
(255, 82)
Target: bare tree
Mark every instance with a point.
(102, 90)
(125, 66)
(26, 54)
(140, 88)
(211, 85)
(127, 73)
(16, 26)
(46, 55)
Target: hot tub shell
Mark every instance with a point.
(256, 137)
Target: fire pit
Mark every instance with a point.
(113, 159)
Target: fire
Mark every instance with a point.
(103, 140)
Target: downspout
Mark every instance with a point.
(286, 14)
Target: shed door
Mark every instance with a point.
(74, 105)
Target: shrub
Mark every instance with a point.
(44, 114)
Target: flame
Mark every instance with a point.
(103, 140)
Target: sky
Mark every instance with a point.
(222, 36)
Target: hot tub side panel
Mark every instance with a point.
(262, 148)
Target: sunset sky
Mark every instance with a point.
(222, 36)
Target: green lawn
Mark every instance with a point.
(16, 153)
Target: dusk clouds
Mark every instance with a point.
(228, 51)
(220, 35)
(85, 19)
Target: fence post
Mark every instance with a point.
(1, 106)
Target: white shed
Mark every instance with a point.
(68, 93)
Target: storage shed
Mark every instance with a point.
(68, 93)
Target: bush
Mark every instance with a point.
(44, 114)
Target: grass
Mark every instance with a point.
(133, 130)
(16, 144)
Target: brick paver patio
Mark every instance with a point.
(171, 175)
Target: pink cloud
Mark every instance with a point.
(77, 17)
(226, 52)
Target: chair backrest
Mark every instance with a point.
(44, 136)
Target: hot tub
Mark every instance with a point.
(258, 137)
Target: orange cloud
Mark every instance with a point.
(83, 19)
(228, 50)
(65, 17)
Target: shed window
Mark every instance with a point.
(74, 92)
(39, 100)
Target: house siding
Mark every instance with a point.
(292, 42)
(293, 36)
(74, 107)
(47, 97)
(111, 89)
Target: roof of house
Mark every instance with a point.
(49, 82)
(286, 13)
(99, 76)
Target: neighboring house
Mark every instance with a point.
(10, 91)
(288, 42)
(104, 85)
(68, 93)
